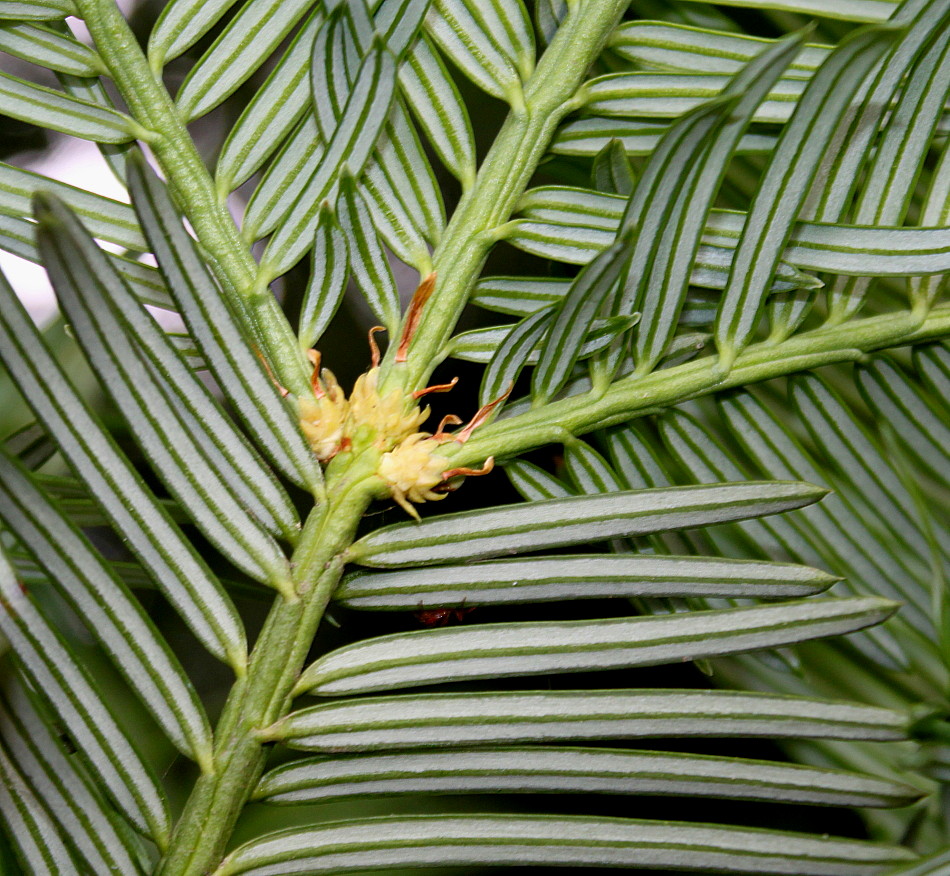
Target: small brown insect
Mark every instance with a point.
(442, 617)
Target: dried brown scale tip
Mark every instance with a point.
(481, 416)
(439, 387)
(373, 346)
(447, 420)
(284, 392)
(469, 472)
(414, 314)
(314, 357)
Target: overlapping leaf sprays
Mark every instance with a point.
(339, 132)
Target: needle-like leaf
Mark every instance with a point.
(239, 50)
(706, 460)
(437, 106)
(915, 419)
(554, 841)
(50, 48)
(238, 368)
(539, 525)
(502, 650)
(575, 314)
(69, 795)
(662, 290)
(844, 10)
(764, 438)
(139, 368)
(36, 10)
(588, 137)
(786, 181)
(560, 770)
(70, 691)
(181, 24)
(494, 58)
(113, 614)
(39, 844)
(106, 219)
(327, 278)
(367, 259)
(451, 720)
(43, 106)
(666, 46)
(149, 532)
(271, 114)
(595, 576)
(353, 141)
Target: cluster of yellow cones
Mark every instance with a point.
(410, 466)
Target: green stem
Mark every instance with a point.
(502, 179)
(193, 188)
(637, 395)
(264, 695)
